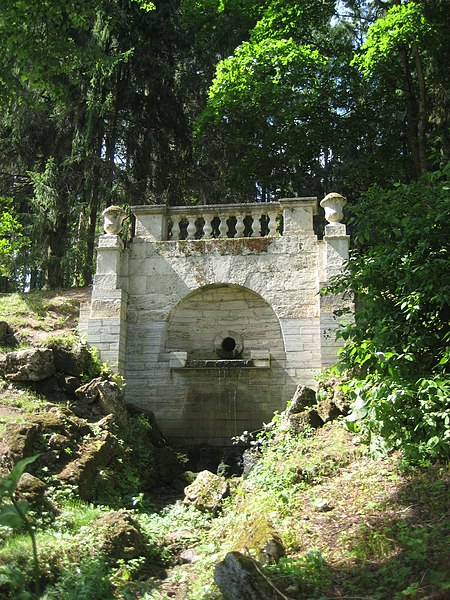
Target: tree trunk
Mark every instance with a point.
(57, 247)
(422, 116)
(412, 111)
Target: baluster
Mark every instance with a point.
(240, 225)
(223, 227)
(255, 227)
(191, 229)
(175, 229)
(271, 223)
(207, 227)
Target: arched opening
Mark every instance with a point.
(222, 390)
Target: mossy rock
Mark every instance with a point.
(238, 577)
(118, 536)
(260, 540)
(207, 492)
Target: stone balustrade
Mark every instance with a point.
(288, 216)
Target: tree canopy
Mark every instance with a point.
(209, 101)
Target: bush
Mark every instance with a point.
(398, 348)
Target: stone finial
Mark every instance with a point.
(113, 217)
(333, 204)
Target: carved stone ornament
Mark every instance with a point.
(334, 204)
(113, 217)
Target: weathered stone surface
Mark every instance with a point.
(7, 337)
(238, 578)
(303, 399)
(328, 410)
(261, 541)
(181, 295)
(332, 402)
(31, 488)
(300, 422)
(33, 364)
(19, 439)
(92, 455)
(207, 491)
(118, 536)
(250, 458)
(104, 398)
(54, 429)
(71, 362)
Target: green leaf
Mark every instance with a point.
(9, 517)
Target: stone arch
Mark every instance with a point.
(209, 317)
(219, 400)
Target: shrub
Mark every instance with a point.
(398, 349)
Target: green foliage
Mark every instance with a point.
(397, 350)
(308, 573)
(12, 239)
(13, 513)
(403, 24)
(85, 580)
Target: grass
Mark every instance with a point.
(352, 527)
(36, 311)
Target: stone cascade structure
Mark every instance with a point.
(213, 313)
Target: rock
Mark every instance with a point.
(7, 337)
(332, 399)
(106, 397)
(261, 541)
(238, 578)
(19, 439)
(92, 454)
(250, 458)
(328, 410)
(304, 398)
(33, 364)
(302, 421)
(31, 488)
(207, 492)
(118, 536)
(188, 556)
(59, 442)
(52, 430)
(73, 362)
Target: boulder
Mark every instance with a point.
(238, 577)
(332, 401)
(261, 541)
(31, 488)
(33, 364)
(301, 422)
(207, 492)
(103, 398)
(328, 410)
(52, 430)
(75, 361)
(19, 439)
(92, 454)
(7, 337)
(250, 458)
(303, 399)
(118, 536)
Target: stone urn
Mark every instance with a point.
(334, 205)
(113, 217)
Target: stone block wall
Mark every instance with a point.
(161, 310)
